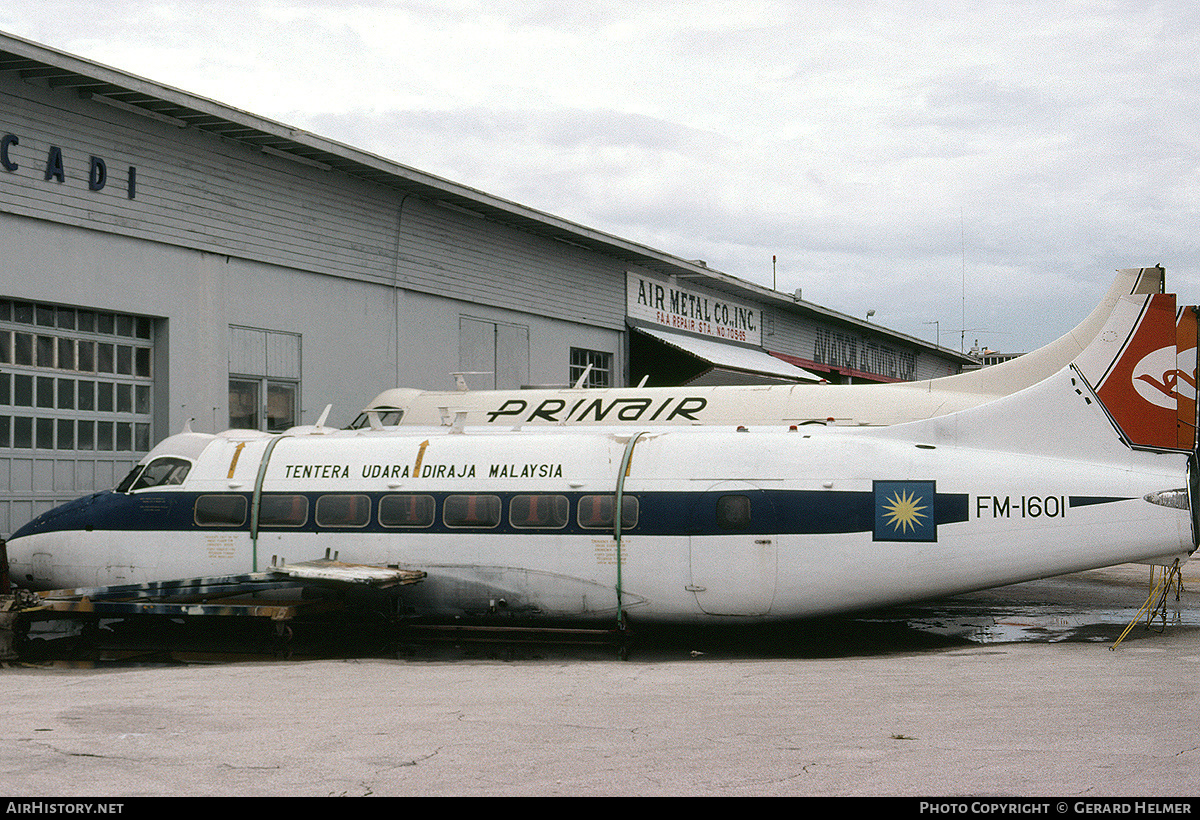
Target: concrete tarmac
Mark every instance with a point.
(1058, 717)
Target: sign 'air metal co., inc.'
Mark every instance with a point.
(667, 304)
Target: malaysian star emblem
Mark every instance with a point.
(904, 511)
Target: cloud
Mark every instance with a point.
(904, 157)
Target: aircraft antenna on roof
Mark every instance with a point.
(324, 415)
(583, 376)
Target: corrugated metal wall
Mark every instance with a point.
(200, 192)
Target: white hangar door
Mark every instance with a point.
(495, 355)
(734, 564)
(76, 403)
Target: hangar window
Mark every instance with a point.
(406, 511)
(596, 512)
(471, 511)
(220, 510)
(539, 511)
(76, 380)
(264, 379)
(600, 374)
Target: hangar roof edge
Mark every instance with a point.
(59, 69)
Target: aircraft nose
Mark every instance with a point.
(5, 584)
(14, 564)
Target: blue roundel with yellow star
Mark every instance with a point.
(904, 511)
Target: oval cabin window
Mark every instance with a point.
(539, 511)
(471, 511)
(596, 512)
(733, 512)
(406, 511)
(282, 511)
(220, 511)
(343, 511)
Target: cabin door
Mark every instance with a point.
(733, 551)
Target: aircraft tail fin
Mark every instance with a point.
(1136, 378)
(1142, 367)
(1187, 346)
(1139, 369)
(1024, 371)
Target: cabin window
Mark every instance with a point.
(733, 512)
(406, 510)
(220, 510)
(471, 511)
(388, 417)
(161, 472)
(539, 511)
(596, 512)
(283, 511)
(343, 510)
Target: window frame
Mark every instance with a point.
(342, 525)
(488, 497)
(606, 522)
(289, 523)
(601, 374)
(418, 496)
(560, 511)
(227, 524)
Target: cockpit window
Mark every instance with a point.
(388, 417)
(161, 472)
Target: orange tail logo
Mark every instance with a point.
(1150, 391)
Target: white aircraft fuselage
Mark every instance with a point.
(716, 524)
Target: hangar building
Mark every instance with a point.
(167, 258)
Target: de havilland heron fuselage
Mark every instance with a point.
(805, 403)
(1089, 465)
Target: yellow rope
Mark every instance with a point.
(1164, 585)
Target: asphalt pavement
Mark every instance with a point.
(1052, 712)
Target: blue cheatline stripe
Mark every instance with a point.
(802, 512)
(1089, 500)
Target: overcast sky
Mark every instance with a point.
(985, 165)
